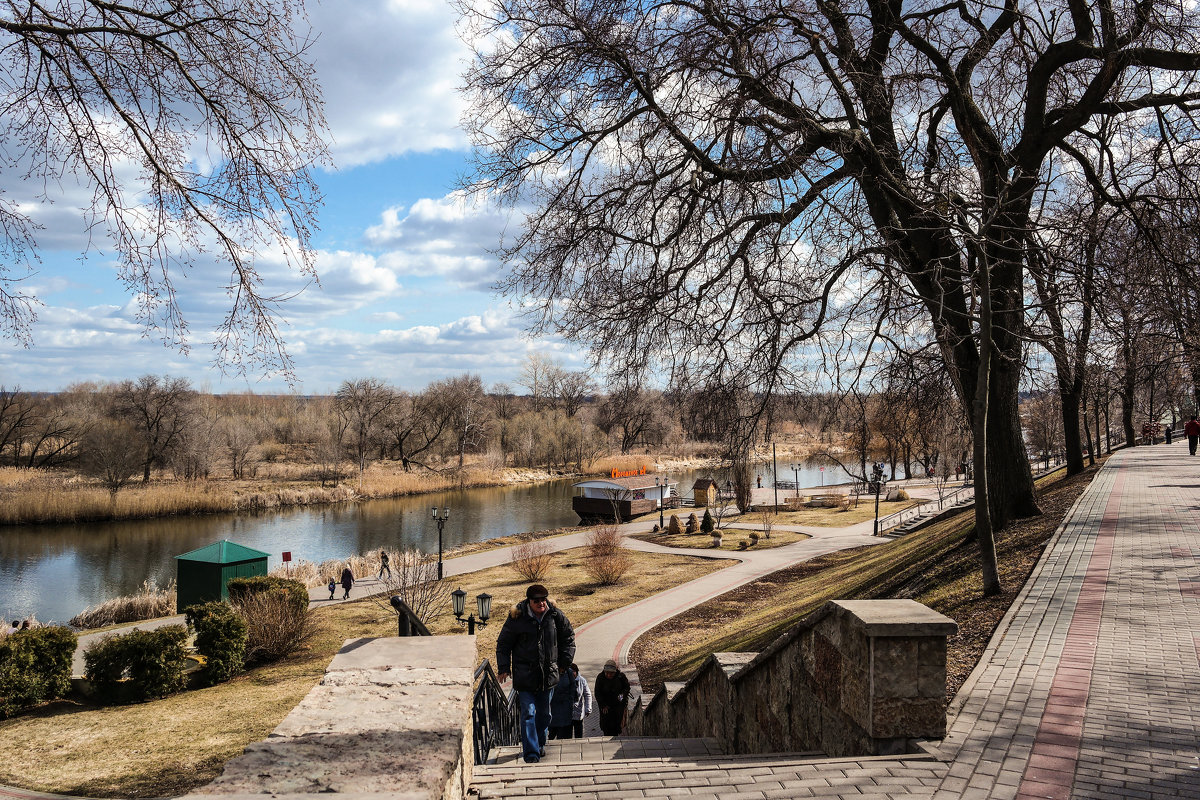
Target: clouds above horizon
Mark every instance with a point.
(405, 274)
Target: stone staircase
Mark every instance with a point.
(604, 768)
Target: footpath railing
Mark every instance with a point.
(494, 715)
(907, 514)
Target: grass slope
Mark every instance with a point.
(938, 566)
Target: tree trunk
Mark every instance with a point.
(1070, 398)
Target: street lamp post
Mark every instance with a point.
(660, 499)
(483, 607)
(796, 478)
(877, 474)
(441, 523)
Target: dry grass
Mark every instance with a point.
(938, 566)
(839, 518)
(150, 602)
(730, 538)
(169, 747)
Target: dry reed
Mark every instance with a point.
(150, 602)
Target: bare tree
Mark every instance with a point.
(211, 104)
(364, 404)
(713, 182)
(467, 407)
(158, 409)
(105, 453)
(413, 578)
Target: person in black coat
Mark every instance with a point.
(347, 582)
(536, 644)
(612, 693)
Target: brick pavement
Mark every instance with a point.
(1088, 689)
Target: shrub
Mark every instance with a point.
(220, 638)
(673, 526)
(603, 541)
(609, 568)
(707, 524)
(902, 495)
(754, 537)
(275, 626)
(242, 588)
(531, 558)
(743, 544)
(150, 602)
(35, 666)
(152, 661)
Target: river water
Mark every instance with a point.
(55, 571)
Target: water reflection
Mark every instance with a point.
(55, 571)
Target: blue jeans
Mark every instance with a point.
(535, 721)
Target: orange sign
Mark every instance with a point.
(616, 473)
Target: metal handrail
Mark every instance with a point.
(495, 719)
(912, 512)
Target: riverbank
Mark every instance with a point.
(31, 497)
(38, 496)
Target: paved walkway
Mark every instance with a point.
(1088, 689)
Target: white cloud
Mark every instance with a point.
(451, 236)
(390, 70)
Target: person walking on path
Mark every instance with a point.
(347, 582)
(535, 645)
(1191, 429)
(583, 702)
(612, 693)
(332, 587)
(561, 706)
(384, 565)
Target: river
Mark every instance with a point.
(55, 571)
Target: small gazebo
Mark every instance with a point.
(204, 574)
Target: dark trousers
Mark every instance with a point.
(560, 731)
(1192, 444)
(577, 728)
(610, 723)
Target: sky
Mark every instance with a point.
(404, 260)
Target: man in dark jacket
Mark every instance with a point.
(535, 645)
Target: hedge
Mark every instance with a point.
(152, 661)
(220, 638)
(35, 666)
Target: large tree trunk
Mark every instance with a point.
(1070, 397)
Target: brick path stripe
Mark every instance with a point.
(1050, 773)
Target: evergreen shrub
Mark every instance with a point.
(220, 638)
(152, 661)
(708, 523)
(35, 666)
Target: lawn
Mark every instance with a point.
(168, 747)
(729, 541)
(839, 518)
(938, 566)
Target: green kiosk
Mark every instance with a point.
(204, 574)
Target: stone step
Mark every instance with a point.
(616, 773)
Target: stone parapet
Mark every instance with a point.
(391, 716)
(857, 677)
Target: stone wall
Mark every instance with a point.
(391, 716)
(857, 677)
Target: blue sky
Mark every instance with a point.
(404, 260)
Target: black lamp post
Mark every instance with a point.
(483, 607)
(796, 478)
(877, 475)
(660, 499)
(441, 523)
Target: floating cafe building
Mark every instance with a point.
(623, 495)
